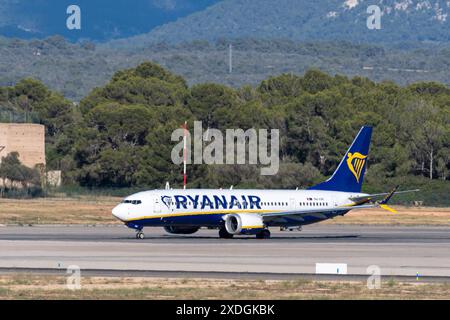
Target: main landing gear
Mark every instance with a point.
(140, 235)
(263, 234)
(223, 233)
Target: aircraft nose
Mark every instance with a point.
(119, 212)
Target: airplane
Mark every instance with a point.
(252, 211)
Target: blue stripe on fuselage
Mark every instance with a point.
(212, 220)
(216, 220)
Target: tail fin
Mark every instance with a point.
(349, 175)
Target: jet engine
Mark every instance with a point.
(181, 230)
(243, 223)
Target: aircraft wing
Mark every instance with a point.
(321, 213)
(316, 212)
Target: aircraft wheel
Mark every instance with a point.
(223, 233)
(264, 234)
(140, 235)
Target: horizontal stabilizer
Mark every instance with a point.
(372, 197)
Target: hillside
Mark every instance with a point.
(305, 20)
(191, 38)
(75, 69)
(102, 20)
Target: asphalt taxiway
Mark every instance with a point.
(397, 251)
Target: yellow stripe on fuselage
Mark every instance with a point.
(252, 227)
(194, 213)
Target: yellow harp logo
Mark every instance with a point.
(355, 162)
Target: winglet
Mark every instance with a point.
(389, 196)
(383, 203)
(386, 207)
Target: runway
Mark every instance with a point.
(397, 251)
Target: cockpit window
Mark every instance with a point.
(132, 201)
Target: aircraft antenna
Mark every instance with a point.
(230, 58)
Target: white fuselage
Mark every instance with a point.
(207, 207)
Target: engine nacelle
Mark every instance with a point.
(181, 230)
(243, 223)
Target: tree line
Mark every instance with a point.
(119, 135)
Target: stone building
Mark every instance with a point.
(25, 138)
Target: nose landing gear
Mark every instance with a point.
(138, 228)
(140, 235)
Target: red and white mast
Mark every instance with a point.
(185, 154)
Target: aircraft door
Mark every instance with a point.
(157, 205)
(292, 204)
